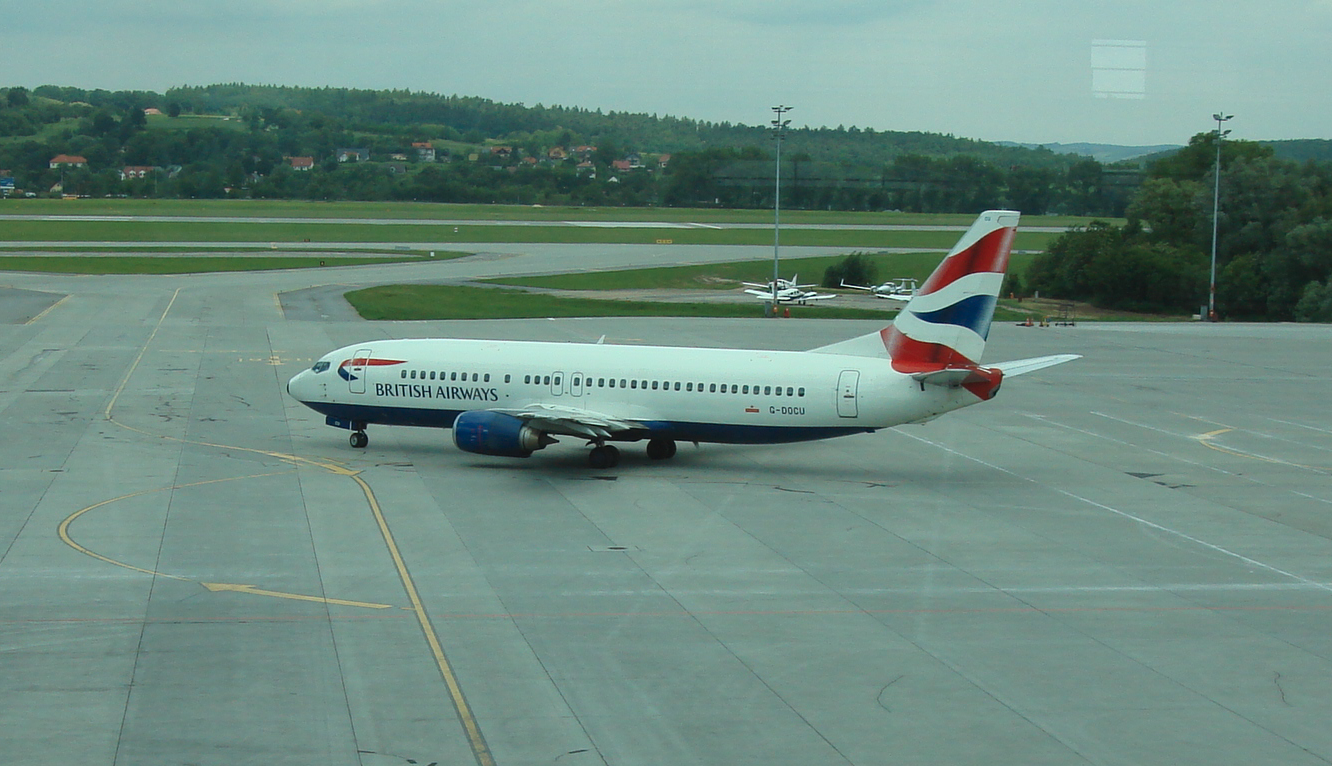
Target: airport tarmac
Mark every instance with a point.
(1122, 560)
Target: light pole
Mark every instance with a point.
(778, 133)
(1220, 117)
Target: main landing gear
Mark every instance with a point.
(603, 456)
(661, 449)
(359, 440)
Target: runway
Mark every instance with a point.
(1125, 559)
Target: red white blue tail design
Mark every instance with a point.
(946, 323)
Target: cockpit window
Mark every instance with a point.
(319, 367)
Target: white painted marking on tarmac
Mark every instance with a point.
(1125, 514)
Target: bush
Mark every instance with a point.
(854, 269)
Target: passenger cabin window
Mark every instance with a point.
(507, 377)
(677, 385)
(404, 373)
(712, 388)
(633, 384)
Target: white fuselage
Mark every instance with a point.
(688, 394)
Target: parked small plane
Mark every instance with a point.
(788, 291)
(894, 289)
(512, 398)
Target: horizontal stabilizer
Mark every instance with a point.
(1024, 366)
(949, 377)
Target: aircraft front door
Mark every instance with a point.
(357, 369)
(847, 384)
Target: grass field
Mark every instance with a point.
(210, 231)
(416, 302)
(724, 276)
(437, 211)
(198, 264)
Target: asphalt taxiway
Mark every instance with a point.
(1124, 559)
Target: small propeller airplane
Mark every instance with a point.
(512, 398)
(894, 289)
(787, 291)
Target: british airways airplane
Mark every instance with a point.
(511, 398)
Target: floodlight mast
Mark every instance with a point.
(778, 133)
(1220, 117)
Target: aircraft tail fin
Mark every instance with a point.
(945, 324)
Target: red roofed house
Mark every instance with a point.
(301, 163)
(622, 165)
(72, 160)
(137, 171)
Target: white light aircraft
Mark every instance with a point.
(788, 291)
(512, 398)
(894, 289)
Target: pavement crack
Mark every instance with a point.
(884, 690)
(1276, 679)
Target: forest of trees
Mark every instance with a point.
(244, 151)
(1274, 243)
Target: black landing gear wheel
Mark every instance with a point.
(603, 456)
(359, 440)
(661, 449)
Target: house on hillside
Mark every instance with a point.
(425, 151)
(68, 161)
(353, 155)
(622, 165)
(663, 160)
(138, 171)
(558, 154)
(301, 163)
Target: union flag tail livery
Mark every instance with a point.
(946, 323)
(512, 398)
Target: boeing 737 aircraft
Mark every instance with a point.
(511, 398)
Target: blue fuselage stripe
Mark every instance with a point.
(720, 433)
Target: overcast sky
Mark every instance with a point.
(1127, 72)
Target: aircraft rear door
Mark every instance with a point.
(847, 384)
(357, 370)
(557, 383)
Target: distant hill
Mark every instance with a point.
(1301, 150)
(1107, 153)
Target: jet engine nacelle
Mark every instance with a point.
(494, 433)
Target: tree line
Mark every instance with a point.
(1273, 243)
(245, 153)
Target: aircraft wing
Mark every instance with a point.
(764, 294)
(768, 286)
(569, 421)
(856, 287)
(817, 297)
(1024, 366)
